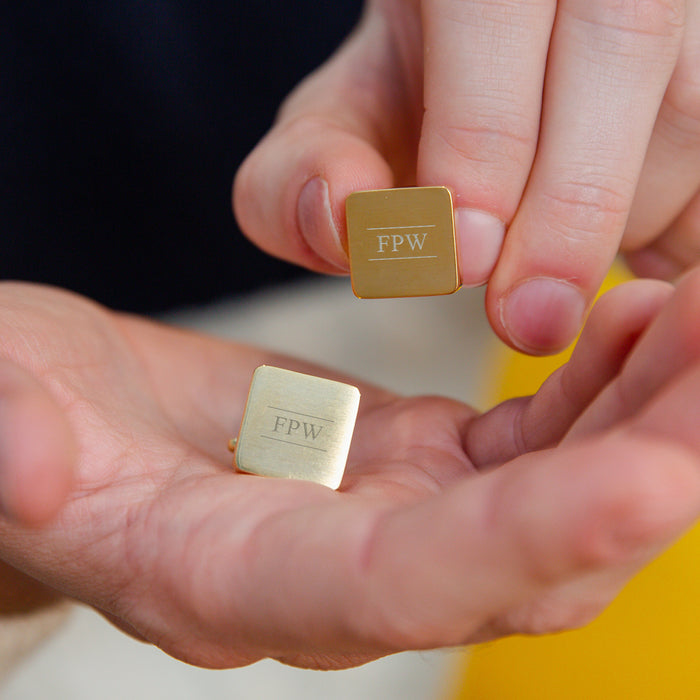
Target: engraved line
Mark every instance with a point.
(296, 413)
(394, 228)
(410, 257)
(296, 444)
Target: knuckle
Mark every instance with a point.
(493, 139)
(657, 18)
(580, 210)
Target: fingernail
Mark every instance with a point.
(479, 242)
(542, 315)
(317, 225)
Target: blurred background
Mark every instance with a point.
(122, 125)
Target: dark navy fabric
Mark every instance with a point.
(121, 126)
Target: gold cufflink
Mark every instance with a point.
(402, 242)
(296, 426)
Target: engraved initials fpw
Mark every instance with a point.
(296, 426)
(415, 240)
(291, 426)
(402, 242)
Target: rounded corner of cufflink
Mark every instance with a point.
(355, 290)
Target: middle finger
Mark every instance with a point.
(608, 67)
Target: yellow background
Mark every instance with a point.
(646, 645)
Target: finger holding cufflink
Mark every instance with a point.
(565, 131)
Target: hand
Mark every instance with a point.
(573, 125)
(449, 527)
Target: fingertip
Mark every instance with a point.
(540, 315)
(289, 195)
(480, 238)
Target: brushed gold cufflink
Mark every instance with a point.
(402, 242)
(296, 426)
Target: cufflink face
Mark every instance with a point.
(296, 426)
(402, 242)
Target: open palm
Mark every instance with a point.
(449, 526)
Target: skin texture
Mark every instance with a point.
(567, 130)
(449, 527)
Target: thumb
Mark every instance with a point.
(37, 449)
(345, 128)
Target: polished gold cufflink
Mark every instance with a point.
(402, 242)
(296, 426)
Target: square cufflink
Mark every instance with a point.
(296, 426)
(402, 242)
